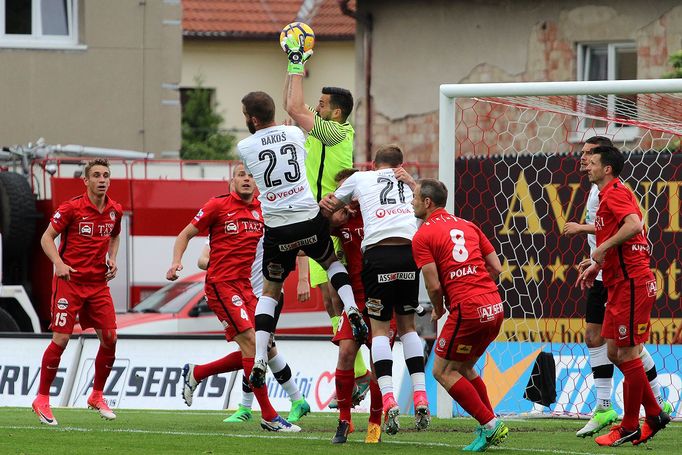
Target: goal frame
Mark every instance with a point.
(447, 145)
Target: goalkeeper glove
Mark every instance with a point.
(295, 53)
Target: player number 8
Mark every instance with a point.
(459, 251)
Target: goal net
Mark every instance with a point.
(516, 174)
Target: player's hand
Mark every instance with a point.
(303, 291)
(172, 273)
(340, 217)
(598, 255)
(64, 271)
(403, 176)
(328, 204)
(112, 269)
(584, 264)
(586, 278)
(572, 228)
(295, 53)
(437, 312)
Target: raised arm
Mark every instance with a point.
(294, 104)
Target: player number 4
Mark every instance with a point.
(459, 251)
(244, 315)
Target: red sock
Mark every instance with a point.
(261, 393)
(345, 381)
(376, 406)
(480, 387)
(635, 387)
(231, 362)
(465, 394)
(48, 367)
(103, 363)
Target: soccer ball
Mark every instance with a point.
(299, 29)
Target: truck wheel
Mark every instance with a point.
(17, 223)
(7, 323)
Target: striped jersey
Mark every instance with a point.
(330, 149)
(592, 204)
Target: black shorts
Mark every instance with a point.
(281, 245)
(391, 280)
(596, 303)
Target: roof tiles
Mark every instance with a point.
(262, 19)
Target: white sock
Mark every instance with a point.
(414, 357)
(649, 363)
(266, 305)
(345, 292)
(383, 363)
(277, 364)
(247, 400)
(604, 386)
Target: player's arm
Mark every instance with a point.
(202, 262)
(50, 248)
(572, 228)
(179, 248)
(434, 289)
(493, 265)
(112, 267)
(294, 104)
(303, 286)
(631, 225)
(403, 176)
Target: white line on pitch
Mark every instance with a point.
(265, 436)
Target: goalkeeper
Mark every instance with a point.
(329, 148)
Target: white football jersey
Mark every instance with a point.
(276, 158)
(385, 203)
(257, 271)
(592, 206)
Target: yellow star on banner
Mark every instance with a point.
(507, 271)
(499, 383)
(558, 270)
(532, 270)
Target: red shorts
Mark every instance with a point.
(91, 303)
(467, 339)
(628, 311)
(234, 303)
(345, 331)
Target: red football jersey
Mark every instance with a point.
(85, 235)
(234, 228)
(351, 235)
(630, 259)
(458, 248)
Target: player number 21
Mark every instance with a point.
(459, 251)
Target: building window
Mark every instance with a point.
(602, 62)
(38, 23)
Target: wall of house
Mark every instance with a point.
(234, 68)
(108, 92)
(419, 45)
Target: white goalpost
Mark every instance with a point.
(508, 153)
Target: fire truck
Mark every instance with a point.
(159, 197)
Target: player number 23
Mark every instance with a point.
(271, 156)
(459, 250)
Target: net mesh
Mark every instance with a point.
(517, 176)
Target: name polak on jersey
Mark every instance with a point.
(469, 270)
(279, 137)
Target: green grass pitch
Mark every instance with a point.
(82, 431)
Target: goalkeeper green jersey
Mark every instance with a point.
(330, 149)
